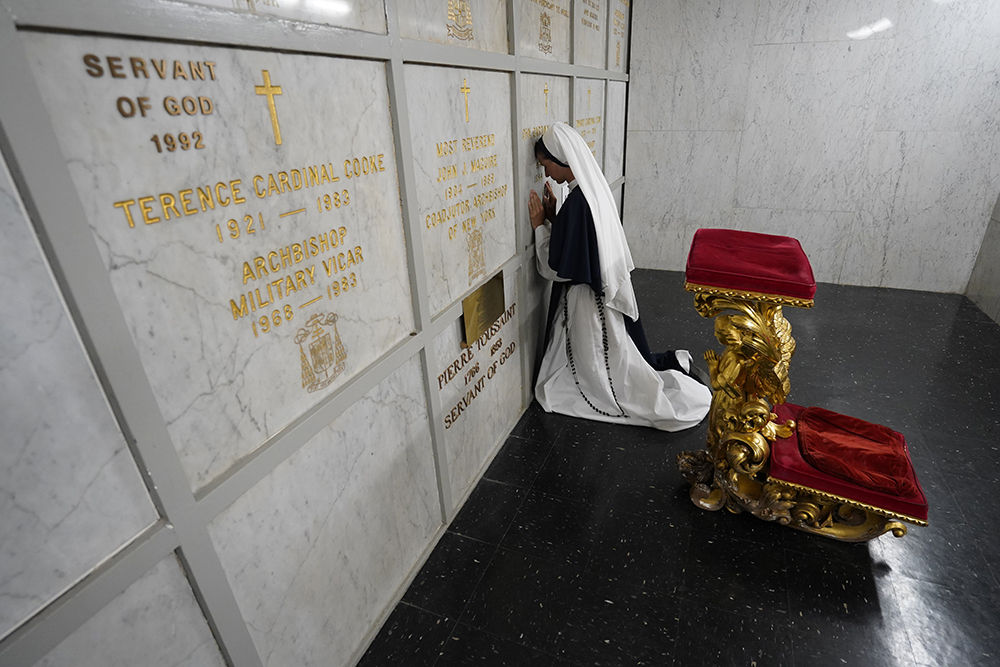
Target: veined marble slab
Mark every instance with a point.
(690, 66)
(316, 550)
(619, 21)
(590, 26)
(477, 24)
(544, 101)
(695, 176)
(367, 15)
(783, 22)
(246, 206)
(924, 219)
(614, 156)
(480, 390)
(155, 621)
(809, 120)
(943, 74)
(70, 493)
(544, 31)
(460, 124)
(588, 112)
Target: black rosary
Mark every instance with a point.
(607, 362)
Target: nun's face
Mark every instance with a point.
(556, 172)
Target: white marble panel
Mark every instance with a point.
(810, 117)
(477, 24)
(317, 549)
(944, 72)
(70, 493)
(824, 235)
(480, 391)
(619, 21)
(943, 187)
(614, 157)
(690, 65)
(543, 31)
(677, 183)
(590, 28)
(588, 112)
(785, 22)
(367, 15)
(544, 101)
(230, 302)
(460, 124)
(984, 285)
(155, 621)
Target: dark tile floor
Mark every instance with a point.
(580, 546)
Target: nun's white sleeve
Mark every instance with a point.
(543, 234)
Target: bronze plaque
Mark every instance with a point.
(482, 308)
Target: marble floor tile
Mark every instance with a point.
(449, 576)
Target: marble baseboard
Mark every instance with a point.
(316, 550)
(70, 492)
(155, 621)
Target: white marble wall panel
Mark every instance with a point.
(460, 124)
(945, 70)
(784, 22)
(588, 113)
(367, 15)
(614, 157)
(480, 391)
(984, 285)
(544, 101)
(809, 119)
(619, 18)
(925, 222)
(232, 334)
(690, 65)
(590, 28)
(824, 235)
(477, 24)
(317, 549)
(155, 621)
(543, 31)
(70, 493)
(677, 183)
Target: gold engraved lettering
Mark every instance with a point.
(271, 91)
(115, 67)
(234, 187)
(161, 67)
(138, 65)
(466, 90)
(124, 205)
(93, 64)
(146, 210)
(179, 72)
(185, 203)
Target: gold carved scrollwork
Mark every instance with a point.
(748, 378)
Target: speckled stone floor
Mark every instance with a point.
(580, 546)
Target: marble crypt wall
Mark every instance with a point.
(238, 403)
(867, 130)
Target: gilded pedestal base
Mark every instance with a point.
(748, 378)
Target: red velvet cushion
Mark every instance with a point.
(860, 452)
(788, 465)
(747, 261)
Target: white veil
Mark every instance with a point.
(567, 146)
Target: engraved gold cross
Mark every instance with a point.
(271, 91)
(465, 89)
(546, 98)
